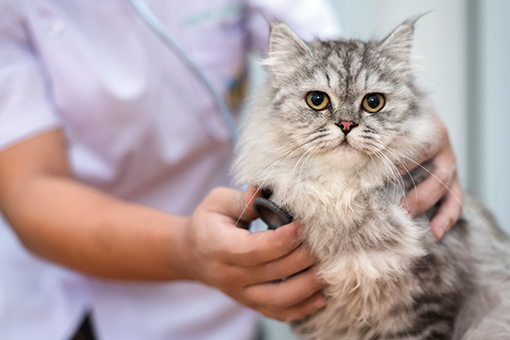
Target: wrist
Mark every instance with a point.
(180, 254)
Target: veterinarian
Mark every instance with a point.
(113, 172)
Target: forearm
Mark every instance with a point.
(87, 230)
(70, 223)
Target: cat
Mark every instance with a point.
(324, 137)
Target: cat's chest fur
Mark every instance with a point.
(354, 223)
(387, 276)
(367, 246)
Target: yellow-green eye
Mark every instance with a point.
(317, 100)
(373, 102)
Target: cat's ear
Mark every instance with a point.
(283, 41)
(399, 44)
(284, 46)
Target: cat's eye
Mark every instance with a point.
(317, 100)
(373, 102)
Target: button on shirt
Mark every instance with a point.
(139, 127)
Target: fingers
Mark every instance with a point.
(443, 184)
(289, 292)
(436, 147)
(307, 307)
(233, 203)
(254, 249)
(290, 299)
(248, 249)
(429, 192)
(238, 246)
(294, 262)
(215, 234)
(449, 211)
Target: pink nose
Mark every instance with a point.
(346, 126)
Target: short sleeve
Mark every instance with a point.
(25, 107)
(308, 18)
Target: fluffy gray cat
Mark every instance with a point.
(324, 137)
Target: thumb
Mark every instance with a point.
(233, 203)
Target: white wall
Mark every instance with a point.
(492, 132)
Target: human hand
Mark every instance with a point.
(246, 266)
(442, 184)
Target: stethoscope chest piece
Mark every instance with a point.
(271, 214)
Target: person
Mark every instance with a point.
(114, 186)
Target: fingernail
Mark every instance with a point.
(439, 233)
(447, 227)
(320, 302)
(440, 230)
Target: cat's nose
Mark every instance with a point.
(346, 126)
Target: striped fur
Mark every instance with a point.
(387, 277)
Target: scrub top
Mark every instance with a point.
(140, 127)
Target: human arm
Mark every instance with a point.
(67, 222)
(75, 225)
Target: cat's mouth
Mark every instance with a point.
(347, 146)
(344, 143)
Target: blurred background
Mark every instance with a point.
(463, 49)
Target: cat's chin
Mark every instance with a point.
(345, 145)
(346, 157)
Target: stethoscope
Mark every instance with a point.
(272, 215)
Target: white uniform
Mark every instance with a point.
(141, 128)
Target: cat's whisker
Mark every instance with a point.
(452, 193)
(428, 171)
(394, 171)
(246, 206)
(285, 156)
(311, 154)
(294, 168)
(310, 163)
(265, 179)
(286, 150)
(407, 170)
(370, 156)
(305, 157)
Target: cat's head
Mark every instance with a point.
(342, 104)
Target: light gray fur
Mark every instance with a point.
(387, 276)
